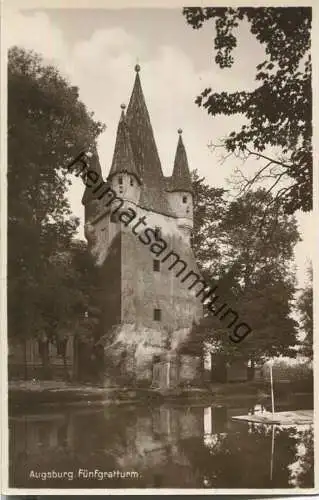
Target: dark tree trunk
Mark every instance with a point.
(61, 350)
(65, 365)
(219, 371)
(75, 370)
(44, 353)
(25, 360)
(251, 370)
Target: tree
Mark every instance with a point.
(253, 270)
(67, 305)
(209, 207)
(233, 459)
(305, 306)
(47, 126)
(279, 110)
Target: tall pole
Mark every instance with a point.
(168, 370)
(272, 390)
(272, 451)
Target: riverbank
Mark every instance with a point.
(29, 393)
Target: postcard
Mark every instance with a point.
(158, 228)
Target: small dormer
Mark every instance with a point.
(180, 190)
(124, 177)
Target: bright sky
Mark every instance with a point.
(97, 50)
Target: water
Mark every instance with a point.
(167, 446)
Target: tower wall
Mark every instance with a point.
(100, 233)
(132, 290)
(128, 189)
(110, 287)
(181, 203)
(182, 209)
(145, 289)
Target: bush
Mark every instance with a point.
(298, 375)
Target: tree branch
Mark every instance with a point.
(271, 160)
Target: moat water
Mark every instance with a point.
(166, 446)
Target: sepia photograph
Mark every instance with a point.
(159, 248)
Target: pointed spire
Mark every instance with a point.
(123, 159)
(145, 151)
(142, 137)
(93, 162)
(135, 142)
(181, 178)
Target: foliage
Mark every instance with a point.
(282, 370)
(305, 306)
(209, 206)
(253, 272)
(47, 126)
(66, 303)
(304, 474)
(230, 459)
(279, 110)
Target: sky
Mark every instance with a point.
(97, 49)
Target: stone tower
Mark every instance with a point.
(138, 224)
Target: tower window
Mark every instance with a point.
(121, 180)
(157, 232)
(131, 181)
(184, 199)
(114, 217)
(157, 313)
(156, 265)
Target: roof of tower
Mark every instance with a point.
(123, 159)
(181, 178)
(145, 152)
(142, 137)
(94, 164)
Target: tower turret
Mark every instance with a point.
(181, 190)
(124, 177)
(89, 199)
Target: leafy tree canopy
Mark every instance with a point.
(279, 110)
(250, 257)
(47, 126)
(209, 207)
(305, 307)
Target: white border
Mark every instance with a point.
(118, 4)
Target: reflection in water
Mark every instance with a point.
(301, 470)
(164, 446)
